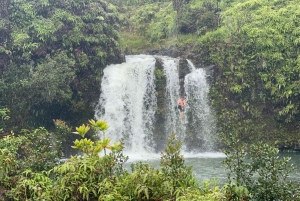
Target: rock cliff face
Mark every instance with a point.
(160, 118)
(182, 71)
(184, 53)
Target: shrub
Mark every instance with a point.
(258, 173)
(173, 167)
(97, 173)
(83, 176)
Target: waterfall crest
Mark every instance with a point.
(128, 103)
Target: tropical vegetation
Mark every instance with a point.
(251, 47)
(52, 54)
(32, 169)
(49, 49)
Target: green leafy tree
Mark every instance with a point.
(33, 152)
(39, 85)
(8, 162)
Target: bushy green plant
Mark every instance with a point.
(270, 175)
(31, 152)
(8, 166)
(234, 192)
(27, 157)
(9, 163)
(96, 174)
(61, 136)
(32, 186)
(174, 169)
(173, 166)
(113, 190)
(194, 194)
(173, 181)
(258, 173)
(36, 150)
(146, 183)
(81, 176)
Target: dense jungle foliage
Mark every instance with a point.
(51, 57)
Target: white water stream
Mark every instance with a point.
(128, 102)
(172, 93)
(200, 119)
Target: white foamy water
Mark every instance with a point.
(171, 94)
(198, 109)
(128, 102)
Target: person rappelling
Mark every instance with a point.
(181, 106)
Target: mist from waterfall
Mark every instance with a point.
(128, 103)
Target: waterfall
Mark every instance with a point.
(128, 102)
(171, 95)
(201, 124)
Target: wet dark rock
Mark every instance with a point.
(160, 83)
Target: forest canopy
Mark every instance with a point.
(52, 53)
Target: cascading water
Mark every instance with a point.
(171, 94)
(201, 123)
(128, 103)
